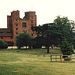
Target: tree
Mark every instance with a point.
(49, 32)
(66, 27)
(23, 39)
(3, 44)
(66, 48)
(54, 33)
(73, 42)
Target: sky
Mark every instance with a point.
(46, 10)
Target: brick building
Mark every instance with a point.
(16, 25)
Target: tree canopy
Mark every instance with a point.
(23, 39)
(3, 44)
(66, 27)
(53, 33)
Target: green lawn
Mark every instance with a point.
(27, 62)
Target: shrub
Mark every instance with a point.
(3, 44)
(66, 48)
(23, 39)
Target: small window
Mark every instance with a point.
(1, 32)
(24, 24)
(1, 37)
(31, 17)
(16, 28)
(16, 32)
(32, 34)
(31, 21)
(16, 19)
(16, 24)
(11, 37)
(8, 32)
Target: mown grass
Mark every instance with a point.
(27, 62)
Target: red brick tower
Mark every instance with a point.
(15, 22)
(31, 18)
(16, 25)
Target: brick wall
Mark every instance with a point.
(18, 25)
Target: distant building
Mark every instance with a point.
(16, 25)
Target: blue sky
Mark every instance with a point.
(46, 10)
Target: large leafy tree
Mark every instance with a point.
(49, 33)
(23, 39)
(54, 33)
(66, 27)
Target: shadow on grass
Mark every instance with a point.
(29, 51)
(40, 51)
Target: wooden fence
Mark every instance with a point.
(59, 57)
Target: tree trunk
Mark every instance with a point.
(51, 46)
(19, 47)
(47, 49)
(29, 47)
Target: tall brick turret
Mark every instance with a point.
(17, 25)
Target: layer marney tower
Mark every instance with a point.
(18, 25)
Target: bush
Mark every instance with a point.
(66, 48)
(23, 39)
(3, 45)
